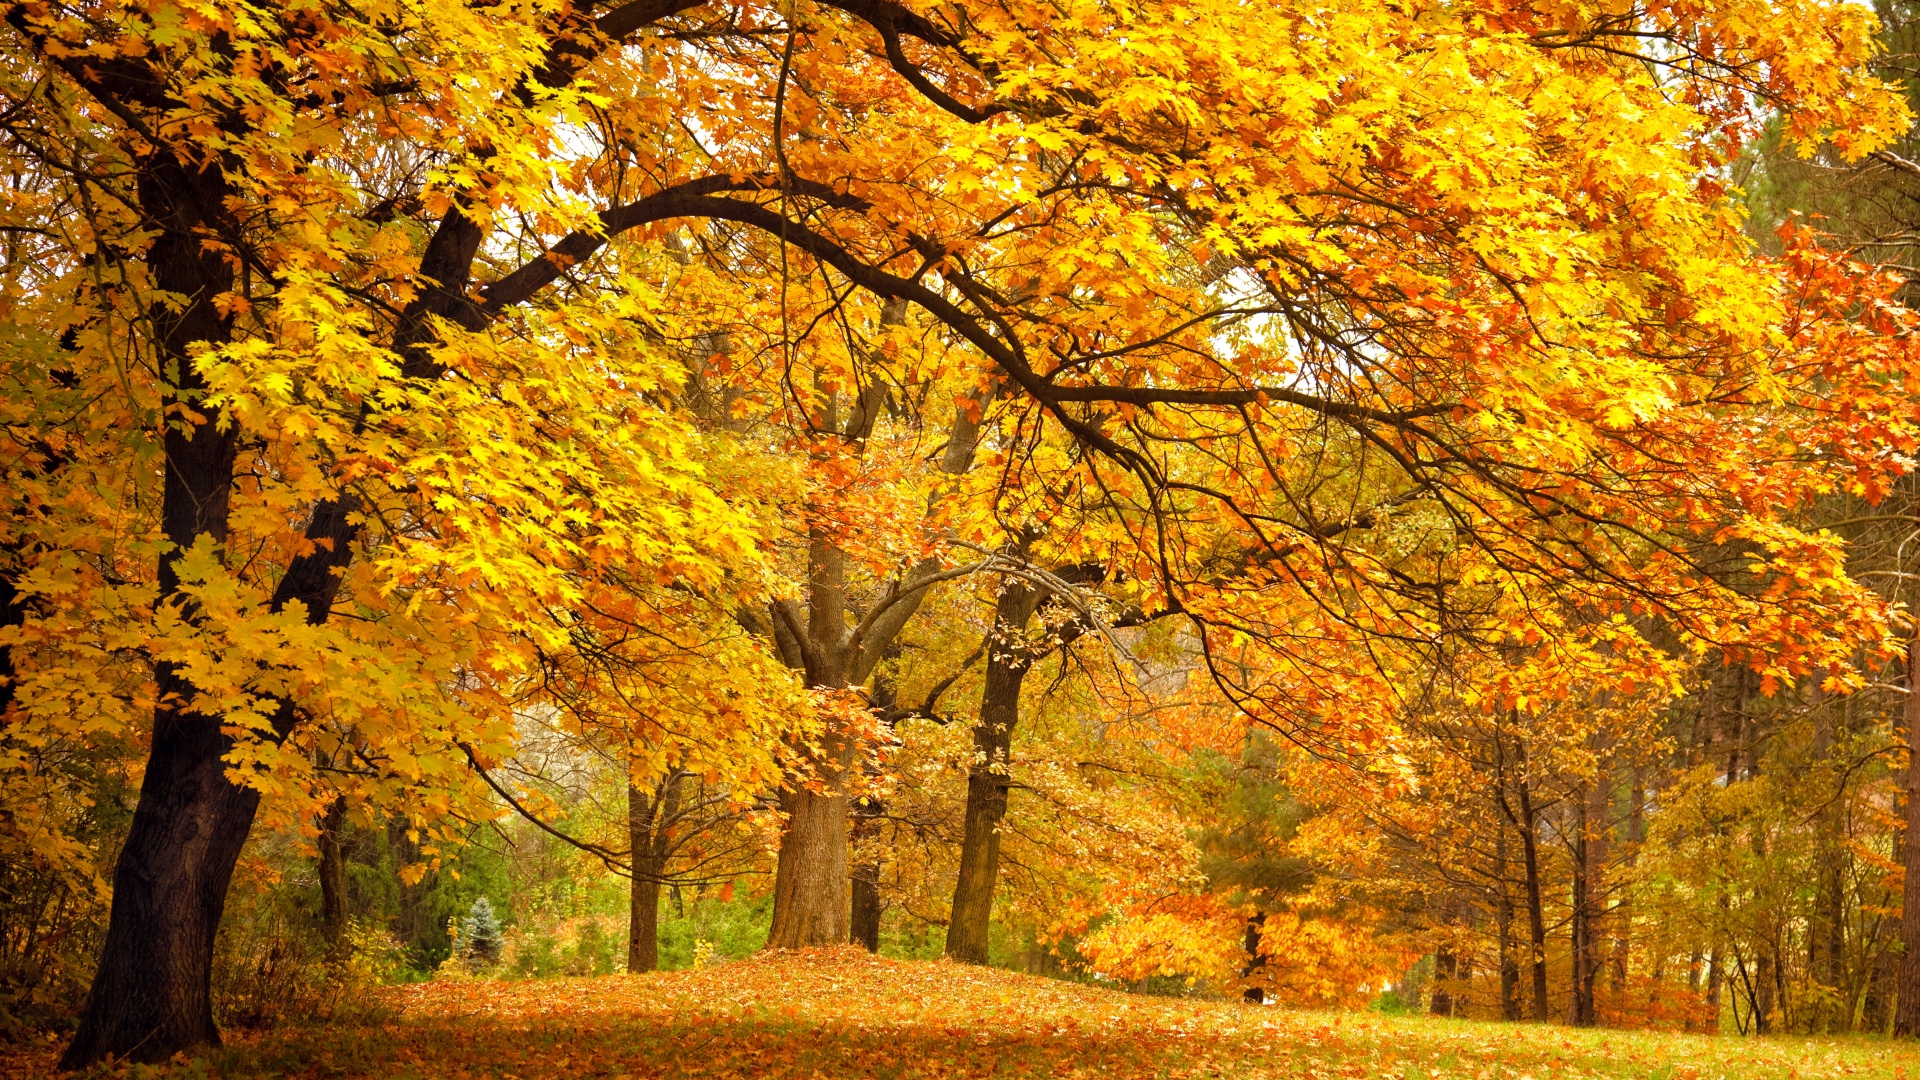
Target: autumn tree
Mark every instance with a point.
(385, 409)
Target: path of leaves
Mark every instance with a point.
(841, 1013)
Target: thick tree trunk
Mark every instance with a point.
(150, 997)
(333, 880)
(1008, 662)
(1906, 1015)
(643, 926)
(811, 892)
(651, 816)
(980, 846)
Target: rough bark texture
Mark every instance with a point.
(150, 997)
(1906, 1014)
(810, 891)
(1008, 661)
(837, 648)
(651, 816)
(333, 880)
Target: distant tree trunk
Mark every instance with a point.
(1536, 915)
(1503, 921)
(1716, 977)
(866, 907)
(333, 880)
(1589, 854)
(1008, 662)
(643, 926)
(649, 815)
(1764, 987)
(1445, 966)
(865, 917)
(1906, 1015)
(1256, 960)
(1621, 920)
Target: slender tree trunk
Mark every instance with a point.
(865, 917)
(1716, 978)
(1254, 994)
(1621, 917)
(150, 997)
(1536, 915)
(1588, 857)
(1008, 662)
(1906, 1015)
(1503, 921)
(333, 880)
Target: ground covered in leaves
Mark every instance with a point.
(842, 1013)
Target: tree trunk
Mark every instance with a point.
(1445, 967)
(1622, 920)
(150, 997)
(643, 896)
(1716, 978)
(1588, 856)
(1254, 994)
(811, 893)
(1906, 1015)
(1536, 916)
(865, 917)
(1008, 662)
(1503, 922)
(333, 880)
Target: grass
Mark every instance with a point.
(841, 1013)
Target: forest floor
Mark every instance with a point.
(842, 1013)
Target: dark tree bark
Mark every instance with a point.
(1254, 994)
(150, 997)
(333, 880)
(650, 817)
(1906, 1014)
(1536, 915)
(865, 917)
(1445, 967)
(1716, 978)
(1503, 923)
(1008, 661)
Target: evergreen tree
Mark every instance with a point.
(480, 933)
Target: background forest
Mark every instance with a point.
(1375, 508)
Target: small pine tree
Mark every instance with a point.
(480, 933)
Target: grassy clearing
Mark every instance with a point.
(841, 1013)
